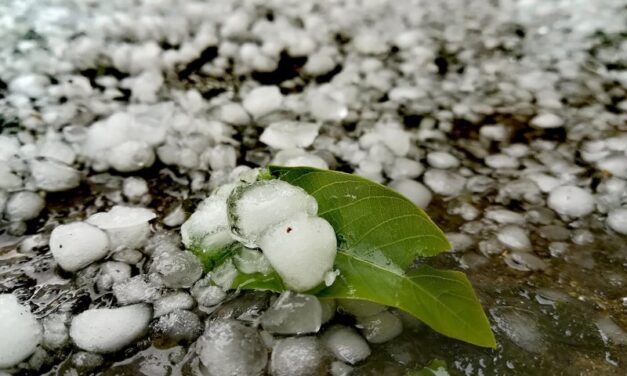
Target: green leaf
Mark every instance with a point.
(372, 222)
(210, 258)
(381, 233)
(442, 299)
(435, 368)
(257, 281)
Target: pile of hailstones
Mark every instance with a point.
(272, 225)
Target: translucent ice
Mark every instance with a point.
(229, 348)
(298, 356)
(21, 333)
(137, 289)
(299, 157)
(293, 313)
(380, 327)
(177, 269)
(345, 344)
(208, 227)
(360, 308)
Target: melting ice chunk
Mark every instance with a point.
(21, 333)
(298, 356)
(345, 344)
(177, 269)
(229, 348)
(293, 314)
(381, 327)
(208, 226)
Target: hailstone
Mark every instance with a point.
(301, 249)
(256, 207)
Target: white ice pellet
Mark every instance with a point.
(208, 227)
(263, 100)
(444, 182)
(9, 147)
(54, 176)
(77, 245)
(31, 85)
(414, 191)
(298, 157)
(617, 220)
(571, 201)
(134, 188)
(21, 333)
(131, 156)
(404, 168)
(319, 63)
(501, 161)
(55, 331)
(443, 160)
(293, 313)
(496, 132)
(545, 182)
(255, 208)
(234, 113)
(327, 106)
(126, 226)
(514, 237)
(106, 330)
(229, 348)
(360, 308)
(9, 180)
(24, 206)
(290, 134)
(381, 327)
(345, 344)
(301, 249)
(547, 120)
(298, 356)
(370, 42)
(616, 165)
(59, 151)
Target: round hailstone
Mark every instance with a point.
(381, 327)
(345, 344)
(177, 269)
(112, 272)
(53, 176)
(126, 226)
(301, 249)
(131, 156)
(134, 188)
(444, 183)
(105, 330)
(414, 191)
(208, 227)
(616, 165)
(299, 157)
(617, 220)
(24, 206)
(263, 100)
(571, 201)
(514, 238)
(229, 348)
(290, 134)
(77, 245)
(293, 314)
(21, 333)
(30, 85)
(443, 160)
(256, 207)
(298, 356)
(547, 120)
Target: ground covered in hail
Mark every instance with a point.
(505, 120)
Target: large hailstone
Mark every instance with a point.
(254, 208)
(208, 227)
(301, 249)
(20, 331)
(77, 245)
